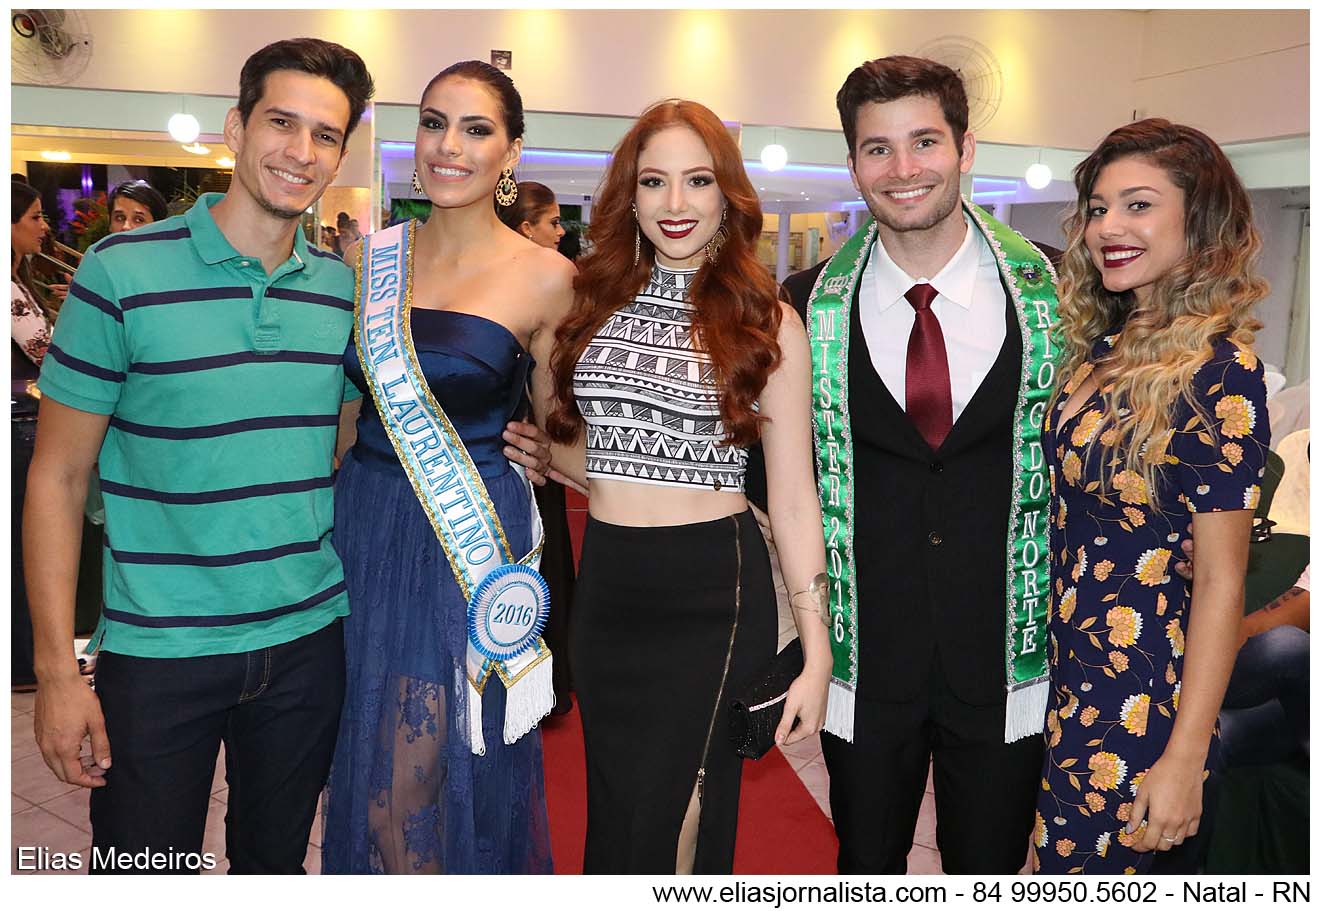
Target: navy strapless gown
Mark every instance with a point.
(406, 794)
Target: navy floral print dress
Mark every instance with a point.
(1119, 611)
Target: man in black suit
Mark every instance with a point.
(940, 430)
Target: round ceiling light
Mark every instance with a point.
(184, 128)
(1038, 176)
(774, 157)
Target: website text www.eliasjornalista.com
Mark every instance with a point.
(1010, 890)
(784, 894)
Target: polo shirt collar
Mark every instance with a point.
(214, 247)
(955, 282)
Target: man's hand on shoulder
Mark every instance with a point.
(530, 447)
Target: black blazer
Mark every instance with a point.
(930, 529)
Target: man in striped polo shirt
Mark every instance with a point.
(197, 360)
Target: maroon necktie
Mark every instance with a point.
(926, 371)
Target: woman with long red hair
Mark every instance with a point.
(678, 355)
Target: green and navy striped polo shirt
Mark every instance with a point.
(223, 386)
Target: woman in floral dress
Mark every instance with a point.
(1162, 415)
(29, 325)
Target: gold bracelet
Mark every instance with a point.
(819, 591)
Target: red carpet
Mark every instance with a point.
(781, 828)
(576, 511)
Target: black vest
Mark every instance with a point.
(930, 527)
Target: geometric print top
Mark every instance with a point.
(650, 401)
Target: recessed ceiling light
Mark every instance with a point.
(197, 149)
(225, 162)
(56, 156)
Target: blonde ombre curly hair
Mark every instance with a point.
(1207, 295)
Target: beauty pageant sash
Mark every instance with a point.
(1032, 287)
(508, 600)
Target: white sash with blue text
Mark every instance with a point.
(508, 601)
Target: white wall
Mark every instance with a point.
(1040, 222)
(1070, 76)
(1225, 72)
(1280, 228)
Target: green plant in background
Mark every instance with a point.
(403, 209)
(182, 200)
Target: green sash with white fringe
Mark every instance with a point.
(1031, 281)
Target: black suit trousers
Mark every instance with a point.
(985, 788)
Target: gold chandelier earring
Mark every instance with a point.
(637, 236)
(713, 246)
(417, 184)
(506, 189)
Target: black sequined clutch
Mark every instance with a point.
(756, 710)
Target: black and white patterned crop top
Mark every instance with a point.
(650, 401)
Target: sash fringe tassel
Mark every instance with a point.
(476, 743)
(840, 711)
(529, 701)
(1025, 710)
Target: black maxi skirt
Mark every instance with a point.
(650, 634)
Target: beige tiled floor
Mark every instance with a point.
(47, 812)
(50, 813)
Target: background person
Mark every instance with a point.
(29, 324)
(535, 214)
(29, 333)
(1265, 715)
(342, 240)
(135, 203)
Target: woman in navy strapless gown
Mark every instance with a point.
(407, 794)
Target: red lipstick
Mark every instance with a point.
(677, 229)
(1116, 256)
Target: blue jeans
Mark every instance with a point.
(1264, 717)
(276, 710)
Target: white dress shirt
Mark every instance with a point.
(970, 305)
